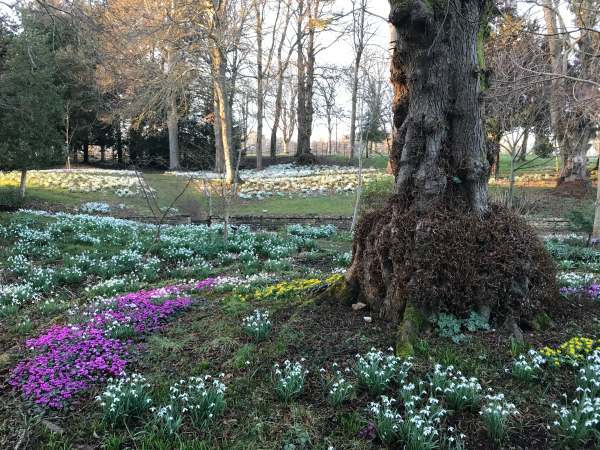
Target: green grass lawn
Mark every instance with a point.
(534, 165)
(198, 205)
(41, 196)
(333, 205)
(372, 162)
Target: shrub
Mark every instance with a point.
(581, 221)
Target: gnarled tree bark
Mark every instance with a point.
(438, 245)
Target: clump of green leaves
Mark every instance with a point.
(448, 325)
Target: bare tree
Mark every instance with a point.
(143, 48)
(327, 88)
(376, 94)
(361, 33)
(309, 21)
(223, 24)
(289, 115)
(283, 60)
(264, 67)
(259, 12)
(572, 75)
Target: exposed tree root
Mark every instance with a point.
(306, 159)
(409, 266)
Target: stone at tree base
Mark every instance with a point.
(358, 306)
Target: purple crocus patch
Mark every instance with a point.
(592, 291)
(68, 359)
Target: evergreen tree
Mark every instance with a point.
(30, 105)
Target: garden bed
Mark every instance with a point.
(218, 333)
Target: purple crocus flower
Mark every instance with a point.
(66, 360)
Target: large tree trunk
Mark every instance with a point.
(306, 76)
(86, 152)
(574, 155)
(276, 118)
(259, 86)
(282, 64)
(596, 229)
(173, 127)
(358, 38)
(278, 108)
(438, 245)
(219, 158)
(172, 115)
(524, 144)
(222, 111)
(354, 102)
(118, 141)
(303, 142)
(556, 94)
(443, 157)
(329, 135)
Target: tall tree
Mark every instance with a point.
(283, 61)
(361, 33)
(570, 51)
(259, 12)
(438, 245)
(30, 104)
(376, 95)
(144, 45)
(287, 124)
(309, 21)
(328, 92)
(263, 66)
(222, 24)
